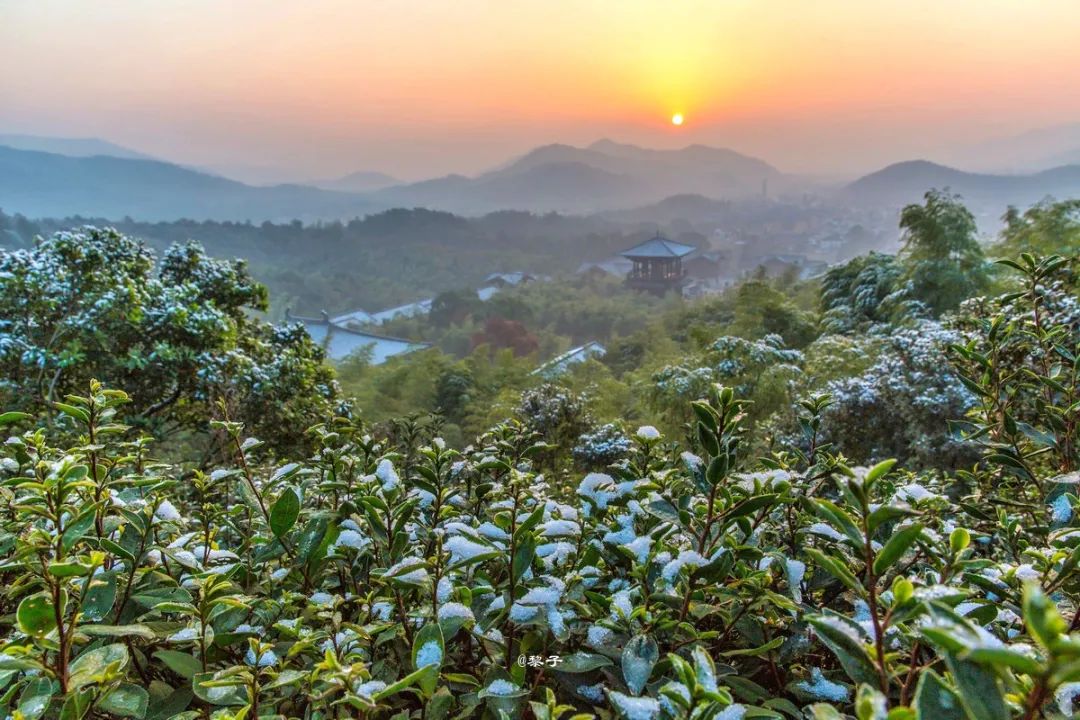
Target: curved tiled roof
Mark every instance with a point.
(659, 247)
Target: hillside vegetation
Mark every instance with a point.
(897, 541)
(384, 575)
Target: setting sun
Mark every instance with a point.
(677, 119)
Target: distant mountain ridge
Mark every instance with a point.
(1031, 151)
(39, 184)
(71, 147)
(360, 181)
(616, 179)
(907, 182)
(93, 177)
(602, 176)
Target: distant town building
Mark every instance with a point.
(657, 265)
(356, 317)
(340, 342)
(509, 279)
(413, 309)
(560, 364)
(487, 292)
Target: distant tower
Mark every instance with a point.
(765, 187)
(657, 265)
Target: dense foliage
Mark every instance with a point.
(943, 261)
(389, 575)
(176, 332)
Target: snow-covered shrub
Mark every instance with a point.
(602, 447)
(177, 332)
(898, 406)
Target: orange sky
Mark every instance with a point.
(418, 88)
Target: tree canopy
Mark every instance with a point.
(179, 333)
(942, 259)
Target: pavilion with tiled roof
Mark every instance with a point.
(657, 265)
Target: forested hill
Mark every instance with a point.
(905, 182)
(377, 261)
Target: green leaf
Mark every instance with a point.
(74, 532)
(311, 538)
(440, 704)
(884, 514)
(705, 415)
(1041, 616)
(583, 662)
(822, 711)
(172, 706)
(118, 550)
(851, 653)
(959, 539)
(100, 597)
(980, 692)
(1004, 656)
(9, 663)
(35, 698)
(428, 642)
(283, 472)
(126, 700)
(141, 631)
(523, 555)
(836, 568)
(531, 521)
(90, 666)
(284, 513)
(895, 547)
(749, 506)
(180, 663)
(217, 695)
(877, 472)
(36, 616)
(760, 650)
(707, 437)
(72, 411)
(638, 658)
(10, 418)
(867, 702)
(77, 704)
(286, 678)
(69, 569)
(409, 680)
(838, 518)
(934, 700)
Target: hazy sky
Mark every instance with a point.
(426, 87)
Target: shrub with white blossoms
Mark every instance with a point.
(394, 577)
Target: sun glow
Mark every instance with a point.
(677, 119)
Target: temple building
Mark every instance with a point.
(657, 265)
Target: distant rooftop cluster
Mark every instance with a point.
(343, 335)
(657, 265)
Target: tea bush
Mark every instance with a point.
(396, 577)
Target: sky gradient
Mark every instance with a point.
(419, 88)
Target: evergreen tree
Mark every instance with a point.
(943, 262)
